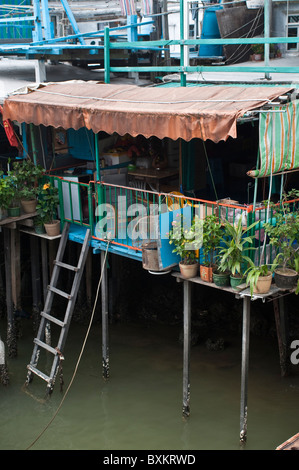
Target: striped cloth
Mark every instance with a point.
(128, 7)
(147, 7)
(278, 141)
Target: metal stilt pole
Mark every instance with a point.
(186, 355)
(244, 369)
(104, 291)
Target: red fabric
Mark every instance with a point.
(10, 134)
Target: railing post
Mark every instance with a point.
(33, 143)
(182, 47)
(107, 54)
(266, 35)
(61, 204)
(90, 208)
(96, 145)
(251, 220)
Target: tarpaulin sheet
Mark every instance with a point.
(278, 141)
(205, 112)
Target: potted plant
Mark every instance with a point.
(12, 197)
(258, 51)
(28, 198)
(186, 243)
(27, 175)
(38, 223)
(46, 208)
(3, 196)
(259, 278)
(211, 236)
(283, 233)
(233, 253)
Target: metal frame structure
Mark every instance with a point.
(45, 46)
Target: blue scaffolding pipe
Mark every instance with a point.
(72, 19)
(92, 34)
(17, 19)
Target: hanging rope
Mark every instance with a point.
(80, 355)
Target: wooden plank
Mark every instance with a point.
(31, 231)
(22, 217)
(290, 444)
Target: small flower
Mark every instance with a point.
(46, 186)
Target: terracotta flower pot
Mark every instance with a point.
(188, 270)
(28, 205)
(206, 273)
(53, 229)
(263, 284)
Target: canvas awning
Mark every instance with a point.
(278, 141)
(205, 112)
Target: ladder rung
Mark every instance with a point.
(39, 373)
(52, 319)
(45, 346)
(65, 265)
(60, 292)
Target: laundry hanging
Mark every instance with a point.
(147, 7)
(128, 7)
(278, 141)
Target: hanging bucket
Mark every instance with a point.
(150, 259)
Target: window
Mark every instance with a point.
(293, 32)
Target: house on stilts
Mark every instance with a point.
(127, 160)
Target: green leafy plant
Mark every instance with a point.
(257, 48)
(4, 192)
(233, 255)
(212, 234)
(254, 272)
(48, 201)
(185, 239)
(10, 196)
(27, 176)
(284, 231)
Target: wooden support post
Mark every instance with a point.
(244, 368)
(282, 335)
(40, 71)
(11, 332)
(45, 282)
(52, 254)
(45, 267)
(15, 268)
(186, 354)
(36, 280)
(104, 291)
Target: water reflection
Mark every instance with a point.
(140, 406)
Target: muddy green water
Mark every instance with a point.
(140, 406)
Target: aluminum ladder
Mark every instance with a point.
(46, 317)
